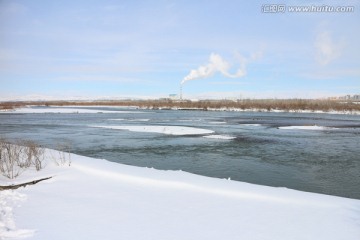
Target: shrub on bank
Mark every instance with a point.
(18, 156)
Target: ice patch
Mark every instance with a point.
(117, 119)
(217, 122)
(224, 137)
(306, 128)
(190, 120)
(171, 130)
(65, 110)
(130, 120)
(251, 125)
(139, 120)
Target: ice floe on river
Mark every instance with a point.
(63, 110)
(306, 128)
(130, 120)
(224, 137)
(171, 130)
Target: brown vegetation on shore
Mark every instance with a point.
(10, 105)
(15, 157)
(246, 104)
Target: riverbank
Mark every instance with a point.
(97, 199)
(258, 105)
(75, 109)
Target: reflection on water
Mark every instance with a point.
(257, 151)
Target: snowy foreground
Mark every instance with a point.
(97, 199)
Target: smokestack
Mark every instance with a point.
(180, 91)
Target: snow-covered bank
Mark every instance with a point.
(97, 199)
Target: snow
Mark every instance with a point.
(306, 128)
(224, 137)
(97, 199)
(172, 130)
(63, 110)
(8, 201)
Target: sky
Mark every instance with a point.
(89, 49)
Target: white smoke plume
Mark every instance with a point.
(326, 49)
(218, 64)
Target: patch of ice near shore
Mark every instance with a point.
(139, 120)
(224, 137)
(306, 128)
(251, 124)
(171, 130)
(190, 120)
(117, 119)
(64, 110)
(130, 120)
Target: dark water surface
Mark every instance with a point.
(323, 161)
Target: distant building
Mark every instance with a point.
(349, 97)
(173, 96)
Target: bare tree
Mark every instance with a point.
(64, 156)
(25, 159)
(38, 157)
(8, 159)
(18, 156)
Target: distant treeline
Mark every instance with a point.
(259, 104)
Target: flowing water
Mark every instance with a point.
(252, 147)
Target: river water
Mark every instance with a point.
(322, 157)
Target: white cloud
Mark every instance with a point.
(326, 49)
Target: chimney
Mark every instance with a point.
(180, 91)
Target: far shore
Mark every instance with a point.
(254, 105)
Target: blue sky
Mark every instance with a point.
(113, 49)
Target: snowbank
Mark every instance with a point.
(97, 199)
(172, 130)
